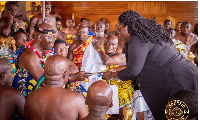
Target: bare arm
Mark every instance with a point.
(6, 24)
(116, 59)
(33, 22)
(70, 51)
(31, 63)
(62, 35)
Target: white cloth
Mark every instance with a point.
(91, 63)
(139, 105)
(115, 108)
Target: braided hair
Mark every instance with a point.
(145, 29)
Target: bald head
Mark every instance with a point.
(6, 72)
(55, 65)
(99, 94)
(82, 32)
(4, 65)
(111, 44)
(56, 69)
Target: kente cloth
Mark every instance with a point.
(125, 89)
(182, 48)
(5, 45)
(69, 39)
(192, 38)
(79, 52)
(30, 16)
(23, 81)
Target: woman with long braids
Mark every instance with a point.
(158, 68)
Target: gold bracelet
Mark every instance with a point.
(98, 50)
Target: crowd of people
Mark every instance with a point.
(51, 71)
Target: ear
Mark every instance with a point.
(39, 37)
(86, 101)
(65, 75)
(111, 104)
(2, 76)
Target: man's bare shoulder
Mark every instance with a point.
(28, 54)
(10, 93)
(74, 45)
(56, 92)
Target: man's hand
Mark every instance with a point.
(79, 76)
(96, 44)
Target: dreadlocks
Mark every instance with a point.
(145, 29)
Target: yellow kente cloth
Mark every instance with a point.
(69, 39)
(5, 41)
(79, 52)
(125, 88)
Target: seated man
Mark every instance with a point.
(37, 19)
(59, 104)
(107, 28)
(12, 101)
(33, 10)
(20, 38)
(29, 59)
(99, 100)
(70, 31)
(77, 49)
(182, 105)
(178, 27)
(61, 48)
(54, 12)
(100, 36)
(90, 25)
(186, 37)
(113, 60)
(167, 24)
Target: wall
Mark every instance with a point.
(110, 10)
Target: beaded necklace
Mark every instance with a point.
(36, 52)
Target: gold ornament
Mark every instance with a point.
(191, 57)
(127, 113)
(2, 41)
(86, 80)
(13, 42)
